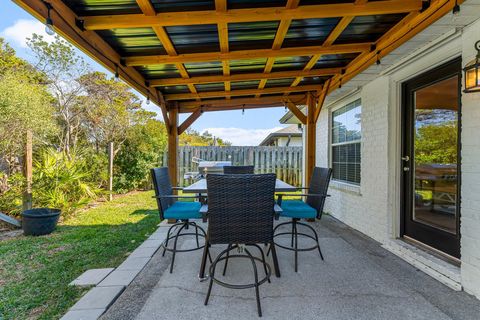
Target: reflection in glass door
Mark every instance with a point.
(431, 158)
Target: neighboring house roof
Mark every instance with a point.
(290, 118)
(290, 131)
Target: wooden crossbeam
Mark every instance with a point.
(146, 7)
(240, 103)
(282, 30)
(411, 25)
(245, 77)
(170, 48)
(187, 18)
(221, 7)
(190, 120)
(321, 99)
(247, 54)
(64, 20)
(241, 92)
(297, 112)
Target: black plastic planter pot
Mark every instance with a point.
(37, 222)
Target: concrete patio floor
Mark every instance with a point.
(357, 280)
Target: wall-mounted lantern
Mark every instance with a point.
(471, 72)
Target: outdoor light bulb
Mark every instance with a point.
(456, 9)
(148, 100)
(243, 111)
(49, 27)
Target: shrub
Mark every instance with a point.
(11, 189)
(62, 182)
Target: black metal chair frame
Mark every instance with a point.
(183, 225)
(237, 236)
(295, 222)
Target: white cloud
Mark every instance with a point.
(240, 136)
(22, 29)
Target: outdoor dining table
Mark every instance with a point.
(201, 187)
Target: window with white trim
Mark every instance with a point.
(346, 143)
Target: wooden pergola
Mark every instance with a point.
(202, 56)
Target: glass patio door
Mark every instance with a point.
(430, 160)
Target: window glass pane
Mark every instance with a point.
(346, 146)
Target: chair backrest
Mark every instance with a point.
(319, 185)
(238, 169)
(162, 187)
(240, 208)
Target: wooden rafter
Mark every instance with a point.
(336, 32)
(221, 7)
(190, 120)
(297, 112)
(247, 54)
(147, 7)
(250, 14)
(282, 30)
(64, 20)
(403, 31)
(321, 99)
(244, 77)
(241, 92)
(170, 48)
(240, 103)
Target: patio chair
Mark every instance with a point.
(310, 209)
(170, 208)
(238, 169)
(240, 215)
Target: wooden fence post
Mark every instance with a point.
(110, 171)
(28, 171)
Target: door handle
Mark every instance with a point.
(406, 168)
(406, 158)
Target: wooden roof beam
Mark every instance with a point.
(189, 121)
(297, 112)
(170, 48)
(187, 18)
(241, 92)
(334, 34)
(245, 77)
(221, 7)
(64, 21)
(403, 31)
(240, 103)
(282, 30)
(247, 54)
(147, 7)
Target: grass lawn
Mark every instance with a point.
(35, 271)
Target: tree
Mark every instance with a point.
(141, 151)
(109, 109)
(436, 143)
(194, 138)
(62, 68)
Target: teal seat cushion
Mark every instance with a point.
(297, 209)
(183, 210)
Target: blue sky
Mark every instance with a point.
(247, 129)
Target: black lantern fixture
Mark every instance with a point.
(472, 72)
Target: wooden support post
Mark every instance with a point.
(173, 144)
(110, 171)
(28, 171)
(311, 138)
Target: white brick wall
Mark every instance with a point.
(470, 212)
(373, 208)
(364, 207)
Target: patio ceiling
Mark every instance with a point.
(213, 53)
(194, 56)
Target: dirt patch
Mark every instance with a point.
(35, 313)
(6, 234)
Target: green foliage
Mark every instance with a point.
(194, 138)
(11, 190)
(140, 152)
(436, 143)
(62, 181)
